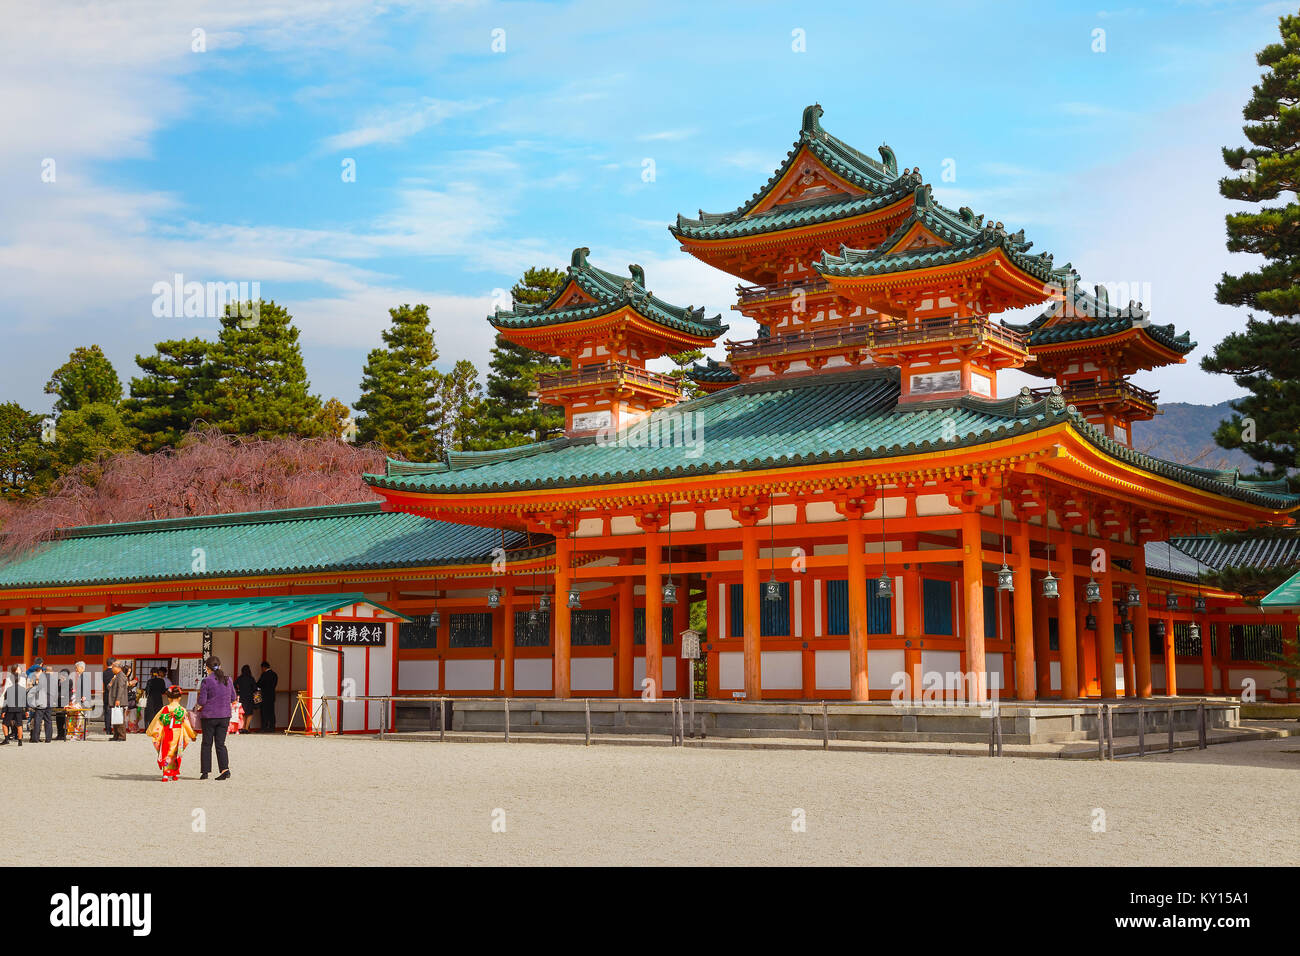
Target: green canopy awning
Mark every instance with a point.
(1286, 594)
(224, 614)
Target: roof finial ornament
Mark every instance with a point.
(638, 274)
(579, 258)
(811, 115)
(889, 159)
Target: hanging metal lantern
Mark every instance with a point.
(1171, 601)
(575, 599)
(435, 618)
(884, 587)
(1134, 597)
(533, 615)
(1004, 578)
(1090, 622)
(494, 598)
(1092, 592)
(1160, 629)
(544, 603)
(1194, 631)
(1128, 627)
(1198, 603)
(670, 594)
(38, 632)
(772, 590)
(1051, 586)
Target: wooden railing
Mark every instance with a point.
(1079, 392)
(891, 333)
(609, 373)
(749, 294)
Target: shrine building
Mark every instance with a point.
(864, 512)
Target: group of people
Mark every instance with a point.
(40, 699)
(37, 697)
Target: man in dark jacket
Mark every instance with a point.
(117, 696)
(266, 684)
(40, 695)
(106, 679)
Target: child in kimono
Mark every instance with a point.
(171, 733)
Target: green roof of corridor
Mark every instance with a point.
(352, 537)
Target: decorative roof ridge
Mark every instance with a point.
(834, 204)
(308, 513)
(611, 291)
(841, 158)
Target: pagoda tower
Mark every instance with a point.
(607, 326)
(1091, 348)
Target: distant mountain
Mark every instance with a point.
(1185, 433)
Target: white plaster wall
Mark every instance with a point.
(468, 675)
(668, 677)
(882, 665)
(731, 670)
(831, 670)
(533, 673)
(417, 675)
(781, 670)
(591, 673)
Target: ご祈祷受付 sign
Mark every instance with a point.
(351, 634)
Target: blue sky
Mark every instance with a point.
(472, 164)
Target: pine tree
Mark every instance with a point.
(458, 407)
(258, 381)
(173, 393)
(511, 413)
(1264, 359)
(683, 362)
(399, 388)
(20, 452)
(86, 378)
(88, 436)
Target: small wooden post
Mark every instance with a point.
(997, 725)
(993, 720)
(1200, 725)
(826, 728)
(692, 731)
(507, 703)
(432, 726)
(586, 706)
(1110, 733)
(1142, 731)
(1171, 728)
(1101, 732)
(442, 718)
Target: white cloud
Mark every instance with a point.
(393, 125)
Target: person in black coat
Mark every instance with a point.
(107, 705)
(153, 695)
(266, 684)
(246, 687)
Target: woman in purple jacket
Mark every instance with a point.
(216, 697)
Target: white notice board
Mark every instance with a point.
(190, 672)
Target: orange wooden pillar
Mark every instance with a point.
(505, 683)
(1024, 611)
(1042, 663)
(1207, 667)
(1106, 635)
(1126, 645)
(972, 567)
(912, 635)
(1171, 660)
(1141, 627)
(857, 593)
(681, 619)
(624, 662)
(1066, 621)
(29, 636)
(1225, 658)
(753, 643)
(654, 617)
(560, 608)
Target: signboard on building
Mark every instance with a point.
(586, 421)
(352, 634)
(690, 644)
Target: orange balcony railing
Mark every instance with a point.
(608, 373)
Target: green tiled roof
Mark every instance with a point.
(224, 614)
(840, 416)
(879, 178)
(1261, 551)
(714, 372)
(353, 537)
(1287, 594)
(970, 236)
(1091, 316)
(611, 292)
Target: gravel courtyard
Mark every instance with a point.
(362, 801)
